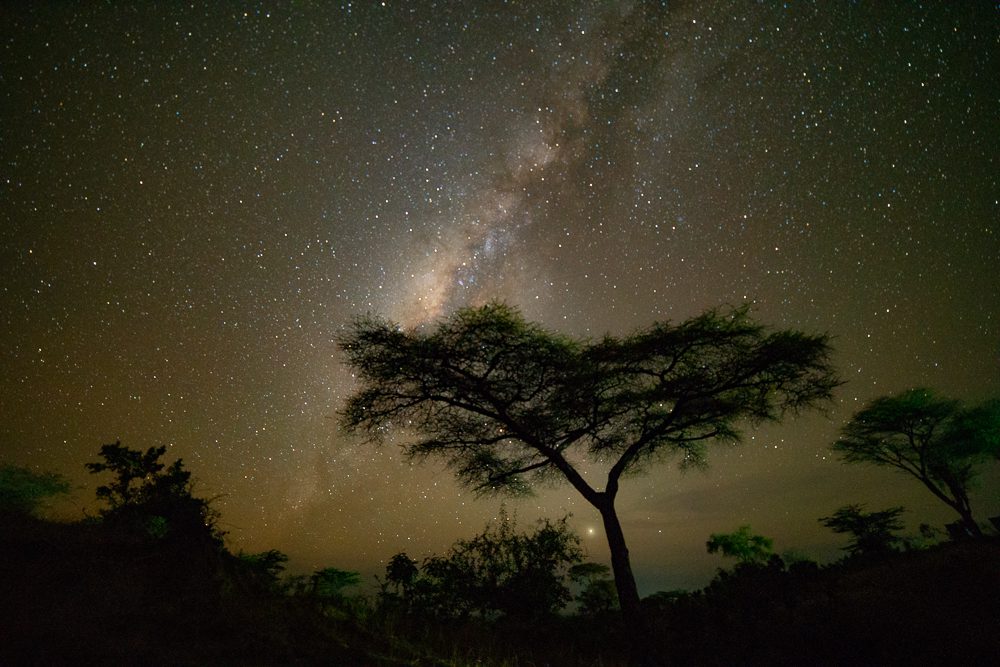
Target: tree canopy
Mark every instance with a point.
(24, 491)
(871, 532)
(746, 547)
(500, 572)
(507, 403)
(934, 439)
(150, 494)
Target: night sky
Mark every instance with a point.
(196, 198)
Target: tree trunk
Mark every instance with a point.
(628, 593)
(969, 521)
(960, 503)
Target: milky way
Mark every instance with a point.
(196, 200)
(470, 258)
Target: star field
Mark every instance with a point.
(196, 198)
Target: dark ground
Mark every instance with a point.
(84, 593)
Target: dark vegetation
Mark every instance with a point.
(150, 580)
(928, 607)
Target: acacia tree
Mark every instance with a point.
(871, 532)
(934, 439)
(744, 546)
(508, 404)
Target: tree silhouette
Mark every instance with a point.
(330, 582)
(401, 572)
(934, 439)
(744, 546)
(147, 493)
(507, 403)
(871, 531)
(267, 567)
(326, 589)
(597, 593)
(24, 491)
(499, 572)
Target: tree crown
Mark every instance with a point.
(871, 532)
(506, 402)
(24, 491)
(933, 438)
(151, 493)
(746, 547)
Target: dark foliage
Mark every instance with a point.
(97, 593)
(499, 572)
(401, 572)
(871, 532)
(266, 567)
(937, 606)
(151, 583)
(150, 497)
(933, 607)
(597, 590)
(102, 592)
(744, 546)
(24, 491)
(326, 589)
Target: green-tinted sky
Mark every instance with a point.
(194, 199)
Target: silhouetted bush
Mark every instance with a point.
(497, 573)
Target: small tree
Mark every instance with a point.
(933, 439)
(330, 582)
(597, 593)
(500, 572)
(145, 491)
(871, 531)
(508, 404)
(267, 567)
(135, 475)
(744, 546)
(401, 572)
(401, 575)
(24, 491)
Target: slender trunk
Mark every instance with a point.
(970, 523)
(965, 511)
(958, 501)
(628, 593)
